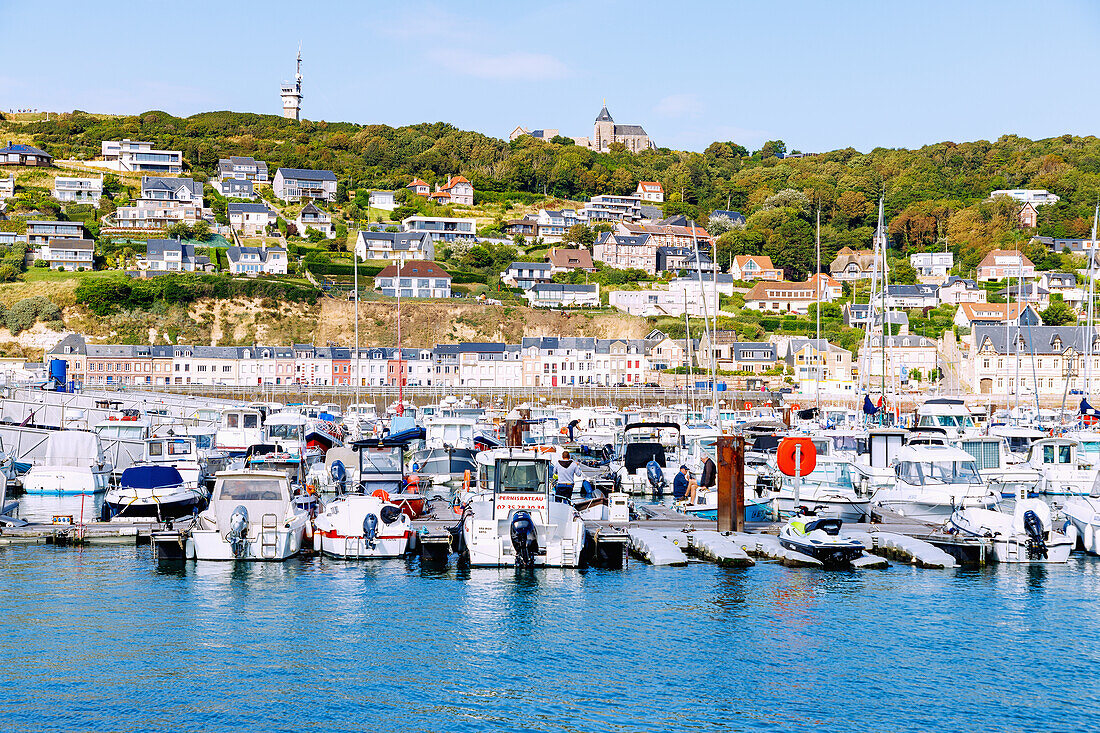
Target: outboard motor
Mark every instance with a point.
(339, 476)
(1036, 543)
(238, 531)
(370, 530)
(524, 539)
(389, 514)
(656, 477)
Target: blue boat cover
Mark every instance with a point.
(150, 477)
(407, 436)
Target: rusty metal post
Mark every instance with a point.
(731, 483)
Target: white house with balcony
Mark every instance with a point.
(133, 156)
(78, 190)
(1033, 196)
(251, 219)
(163, 202)
(242, 168)
(932, 264)
(257, 260)
(295, 184)
(443, 228)
(172, 255)
(394, 246)
(414, 279)
(68, 254)
(312, 217)
(563, 295)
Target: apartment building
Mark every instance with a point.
(78, 190)
(442, 228)
(41, 233)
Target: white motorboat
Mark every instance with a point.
(1083, 514)
(252, 516)
(947, 413)
(1065, 468)
(212, 458)
(932, 482)
(153, 491)
(517, 520)
(647, 458)
(357, 526)
(1025, 536)
(240, 428)
(178, 451)
(833, 489)
(448, 451)
(73, 463)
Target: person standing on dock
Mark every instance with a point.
(567, 471)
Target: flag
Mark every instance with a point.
(868, 406)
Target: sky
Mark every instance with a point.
(818, 75)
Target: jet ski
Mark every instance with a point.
(819, 537)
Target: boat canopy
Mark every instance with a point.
(150, 477)
(72, 449)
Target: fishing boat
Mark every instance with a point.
(252, 516)
(73, 463)
(369, 522)
(932, 481)
(153, 491)
(517, 520)
(705, 506)
(239, 429)
(448, 452)
(1025, 536)
(178, 451)
(820, 538)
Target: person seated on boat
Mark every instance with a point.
(684, 486)
(567, 470)
(709, 475)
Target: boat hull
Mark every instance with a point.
(161, 504)
(263, 545)
(45, 480)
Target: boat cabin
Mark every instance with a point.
(1056, 452)
(126, 427)
(521, 481)
(381, 466)
(936, 464)
(944, 413)
(171, 449)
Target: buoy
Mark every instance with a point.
(381, 494)
(785, 456)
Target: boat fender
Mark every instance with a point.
(1070, 531)
(390, 514)
(1087, 537)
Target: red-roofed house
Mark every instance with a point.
(416, 279)
(419, 187)
(1002, 263)
(459, 190)
(440, 197)
(830, 288)
(651, 191)
(746, 267)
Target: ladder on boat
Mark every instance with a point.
(568, 554)
(353, 547)
(269, 537)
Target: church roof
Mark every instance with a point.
(604, 115)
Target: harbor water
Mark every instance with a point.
(104, 639)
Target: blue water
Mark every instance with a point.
(104, 640)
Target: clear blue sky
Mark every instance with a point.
(819, 75)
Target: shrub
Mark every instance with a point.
(28, 311)
(41, 263)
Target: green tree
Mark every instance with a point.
(580, 234)
(1058, 314)
(773, 149)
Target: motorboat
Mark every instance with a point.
(517, 520)
(368, 522)
(153, 491)
(448, 451)
(239, 429)
(380, 472)
(944, 412)
(73, 463)
(833, 489)
(178, 451)
(1025, 536)
(212, 458)
(705, 506)
(932, 481)
(820, 538)
(642, 464)
(252, 516)
(1011, 480)
(1083, 514)
(1066, 470)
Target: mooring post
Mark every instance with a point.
(731, 483)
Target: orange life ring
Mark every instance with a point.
(748, 405)
(796, 406)
(381, 494)
(784, 457)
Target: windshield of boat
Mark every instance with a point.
(252, 488)
(284, 431)
(1053, 454)
(943, 472)
(852, 443)
(380, 459)
(451, 433)
(204, 442)
(522, 475)
(945, 421)
(833, 475)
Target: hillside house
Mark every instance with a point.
(565, 260)
(562, 295)
(414, 279)
(651, 191)
(754, 267)
(133, 156)
(312, 217)
(172, 255)
(257, 260)
(527, 275)
(235, 188)
(956, 290)
(78, 190)
(1003, 263)
(394, 246)
(932, 264)
(250, 220)
(972, 315)
(16, 154)
(295, 184)
(241, 168)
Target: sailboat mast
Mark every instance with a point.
(400, 366)
(1087, 387)
(355, 260)
(817, 281)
